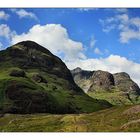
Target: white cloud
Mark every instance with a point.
(86, 9)
(6, 32)
(135, 21)
(127, 35)
(97, 51)
(117, 10)
(113, 64)
(92, 41)
(129, 28)
(107, 24)
(109, 28)
(121, 10)
(3, 15)
(22, 13)
(123, 18)
(55, 38)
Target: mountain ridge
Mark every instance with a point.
(100, 83)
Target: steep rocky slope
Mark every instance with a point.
(33, 80)
(82, 78)
(118, 88)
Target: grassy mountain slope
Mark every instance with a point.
(116, 97)
(115, 119)
(33, 80)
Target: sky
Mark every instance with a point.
(93, 39)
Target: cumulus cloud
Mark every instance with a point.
(113, 64)
(129, 27)
(55, 38)
(22, 13)
(6, 32)
(3, 15)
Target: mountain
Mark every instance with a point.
(33, 80)
(118, 88)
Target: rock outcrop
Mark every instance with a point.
(101, 80)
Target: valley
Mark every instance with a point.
(115, 119)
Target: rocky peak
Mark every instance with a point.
(29, 54)
(123, 82)
(28, 45)
(79, 73)
(122, 75)
(101, 80)
(76, 70)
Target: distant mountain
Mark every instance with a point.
(33, 80)
(118, 88)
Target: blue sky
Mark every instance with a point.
(82, 25)
(107, 39)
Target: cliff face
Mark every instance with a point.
(116, 88)
(33, 80)
(82, 78)
(124, 82)
(101, 80)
